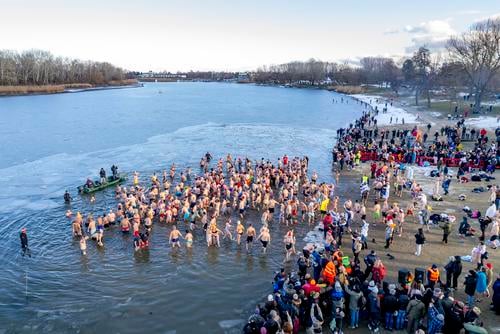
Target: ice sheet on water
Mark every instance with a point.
(226, 324)
(35, 185)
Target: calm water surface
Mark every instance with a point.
(53, 142)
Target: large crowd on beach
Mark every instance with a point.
(334, 287)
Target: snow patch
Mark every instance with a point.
(392, 111)
(486, 122)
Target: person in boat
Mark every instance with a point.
(24, 242)
(89, 183)
(114, 171)
(102, 174)
(67, 197)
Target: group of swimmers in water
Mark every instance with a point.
(228, 190)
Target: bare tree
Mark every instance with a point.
(39, 67)
(478, 51)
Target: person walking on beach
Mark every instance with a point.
(419, 241)
(24, 242)
(446, 231)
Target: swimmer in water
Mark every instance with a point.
(76, 227)
(175, 236)
(213, 234)
(289, 241)
(83, 245)
(265, 239)
(227, 230)
(125, 225)
(240, 229)
(189, 239)
(250, 236)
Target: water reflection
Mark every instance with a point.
(213, 255)
(142, 256)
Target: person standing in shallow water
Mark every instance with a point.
(250, 235)
(24, 242)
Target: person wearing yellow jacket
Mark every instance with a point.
(357, 158)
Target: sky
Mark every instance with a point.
(232, 35)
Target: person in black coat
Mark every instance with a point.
(390, 306)
(496, 296)
(24, 242)
(457, 270)
(449, 271)
(470, 287)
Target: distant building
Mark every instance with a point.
(162, 75)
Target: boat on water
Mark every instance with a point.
(97, 185)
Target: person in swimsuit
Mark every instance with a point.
(175, 236)
(240, 229)
(289, 241)
(91, 229)
(227, 230)
(100, 232)
(77, 228)
(265, 239)
(189, 239)
(83, 245)
(250, 236)
(213, 235)
(125, 225)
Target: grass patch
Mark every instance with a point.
(21, 90)
(53, 89)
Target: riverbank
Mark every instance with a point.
(65, 88)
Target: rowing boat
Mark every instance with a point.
(111, 181)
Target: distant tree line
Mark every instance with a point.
(38, 67)
(472, 64)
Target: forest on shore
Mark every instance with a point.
(39, 71)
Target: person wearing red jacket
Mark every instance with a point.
(327, 221)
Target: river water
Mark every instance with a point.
(50, 143)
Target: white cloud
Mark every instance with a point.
(431, 34)
(391, 31)
(486, 18)
(434, 28)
